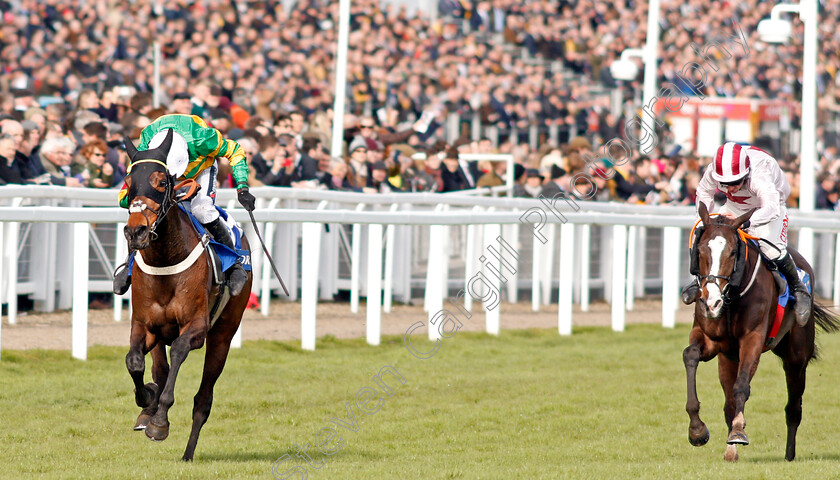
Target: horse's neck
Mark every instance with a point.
(175, 240)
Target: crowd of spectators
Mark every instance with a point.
(76, 77)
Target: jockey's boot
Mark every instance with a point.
(802, 307)
(238, 276)
(122, 280)
(689, 292)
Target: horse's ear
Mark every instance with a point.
(130, 148)
(742, 219)
(166, 144)
(704, 213)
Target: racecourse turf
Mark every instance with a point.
(527, 404)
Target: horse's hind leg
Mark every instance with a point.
(160, 370)
(218, 345)
(698, 349)
(795, 375)
(190, 339)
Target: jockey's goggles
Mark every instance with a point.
(734, 183)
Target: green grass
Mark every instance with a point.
(527, 404)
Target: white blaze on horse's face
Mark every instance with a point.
(714, 301)
(137, 206)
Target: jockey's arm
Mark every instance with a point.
(706, 190)
(236, 154)
(770, 199)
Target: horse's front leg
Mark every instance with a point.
(135, 361)
(699, 348)
(160, 370)
(193, 337)
(749, 355)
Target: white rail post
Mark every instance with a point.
(670, 275)
(120, 252)
(389, 262)
(13, 232)
(355, 256)
(81, 239)
(566, 273)
(470, 267)
(491, 315)
(836, 297)
(270, 231)
(434, 273)
(374, 284)
(631, 267)
(548, 264)
(309, 284)
(512, 238)
(584, 268)
(619, 265)
(536, 264)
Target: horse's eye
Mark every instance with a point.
(162, 183)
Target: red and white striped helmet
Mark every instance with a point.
(731, 163)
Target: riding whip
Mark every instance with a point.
(267, 255)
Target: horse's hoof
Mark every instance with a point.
(700, 437)
(142, 421)
(157, 433)
(731, 454)
(738, 438)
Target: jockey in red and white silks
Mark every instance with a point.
(751, 179)
(764, 187)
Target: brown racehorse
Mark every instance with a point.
(734, 324)
(171, 309)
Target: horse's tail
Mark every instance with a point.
(824, 318)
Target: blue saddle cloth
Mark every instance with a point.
(227, 256)
(784, 298)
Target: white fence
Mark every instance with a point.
(426, 238)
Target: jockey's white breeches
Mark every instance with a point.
(774, 232)
(203, 205)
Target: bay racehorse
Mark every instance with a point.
(172, 307)
(734, 321)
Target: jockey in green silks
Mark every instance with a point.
(193, 153)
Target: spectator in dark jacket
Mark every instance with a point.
(7, 155)
(452, 174)
(553, 187)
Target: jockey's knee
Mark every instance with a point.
(204, 210)
(773, 252)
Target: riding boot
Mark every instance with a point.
(122, 280)
(238, 276)
(691, 291)
(802, 307)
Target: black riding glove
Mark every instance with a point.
(246, 199)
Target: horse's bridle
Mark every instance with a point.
(165, 204)
(703, 280)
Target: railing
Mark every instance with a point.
(614, 251)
